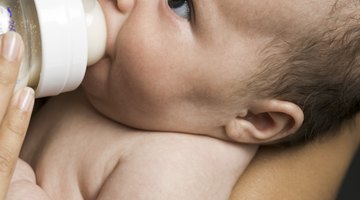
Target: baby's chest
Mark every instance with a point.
(76, 167)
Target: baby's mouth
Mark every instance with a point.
(114, 20)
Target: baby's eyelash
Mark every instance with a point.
(181, 7)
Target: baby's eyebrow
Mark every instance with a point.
(338, 5)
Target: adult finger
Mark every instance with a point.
(11, 48)
(12, 134)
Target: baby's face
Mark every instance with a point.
(177, 65)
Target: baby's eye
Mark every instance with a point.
(181, 8)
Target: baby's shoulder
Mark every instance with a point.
(165, 165)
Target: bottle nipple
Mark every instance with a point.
(96, 30)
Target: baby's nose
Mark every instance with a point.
(125, 6)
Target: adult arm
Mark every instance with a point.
(312, 172)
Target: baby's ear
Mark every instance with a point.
(265, 122)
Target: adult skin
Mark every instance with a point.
(15, 110)
(312, 172)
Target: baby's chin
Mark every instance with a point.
(96, 76)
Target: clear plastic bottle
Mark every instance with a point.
(61, 38)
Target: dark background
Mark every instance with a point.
(350, 189)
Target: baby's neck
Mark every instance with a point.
(69, 107)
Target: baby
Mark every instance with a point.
(231, 74)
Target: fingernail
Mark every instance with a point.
(10, 46)
(25, 99)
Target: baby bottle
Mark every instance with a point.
(61, 38)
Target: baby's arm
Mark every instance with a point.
(23, 184)
(178, 166)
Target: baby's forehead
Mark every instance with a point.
(273, 16)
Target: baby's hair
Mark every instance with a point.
(319, 71)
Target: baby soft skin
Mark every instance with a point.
(61, 38)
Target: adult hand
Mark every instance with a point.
(15, 110)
